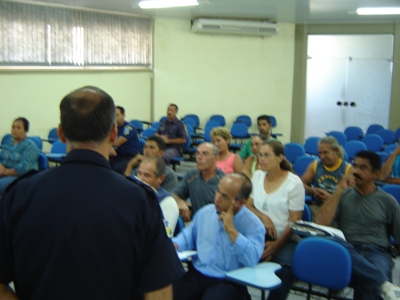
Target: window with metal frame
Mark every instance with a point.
(46, 36)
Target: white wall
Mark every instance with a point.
(203, 74)
(220, 74)
(37, 95)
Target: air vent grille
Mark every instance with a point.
(240, 27)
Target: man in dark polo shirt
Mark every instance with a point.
(81, 231)
(199, 184)
(173, 133)
(127, 144)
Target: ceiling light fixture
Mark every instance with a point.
(166, 3)
(378, 11)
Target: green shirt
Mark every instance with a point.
(246, 150)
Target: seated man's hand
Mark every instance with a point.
(135, 161)
(113, 152)
(2, 170)
(176, 246)
(165, 139)
(269, 226)
(184, 210)
(270, 249)
(227, 219)
(321, 194)
(346, 181)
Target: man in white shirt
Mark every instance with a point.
(152, 171)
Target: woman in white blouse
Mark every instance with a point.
(277, 199)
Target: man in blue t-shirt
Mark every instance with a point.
(127, 144)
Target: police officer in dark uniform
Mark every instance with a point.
(82, 231)
(127, 144)
(173, 133)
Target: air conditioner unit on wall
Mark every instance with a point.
(240, 27)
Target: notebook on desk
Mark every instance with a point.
(304, 229)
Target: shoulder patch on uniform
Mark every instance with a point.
(127, 129)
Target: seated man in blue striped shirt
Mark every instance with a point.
(226, 236)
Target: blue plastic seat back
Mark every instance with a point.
(210, 125)
(195, 118)
(239, 130)
(5, 138)
(322, 262)
(293, 151)
(374, 142)
(311, 145)
(353, 147)
(148, 132)
(37, 141)
(189, 128)
(302, 164)
(383, 155)
(273, 121)
(244, 119)
(155, 125)
(387, 135)
(339, 136)
(189, 121)
(392, 189)
(218, 118)
(374, 128)
(188, 143)
(43, 163)
(59, 147)
(354, 133)
(390, 148)
(180, 225)
(53, 135)
(162, 119)
(138, 125)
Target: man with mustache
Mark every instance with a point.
(173, 132)
(368, 218)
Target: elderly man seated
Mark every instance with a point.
(152, 171)
(325, 174)
(226, 236)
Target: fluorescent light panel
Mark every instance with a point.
(379, 11)
(166, 3)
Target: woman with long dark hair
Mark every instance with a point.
(277, 199)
